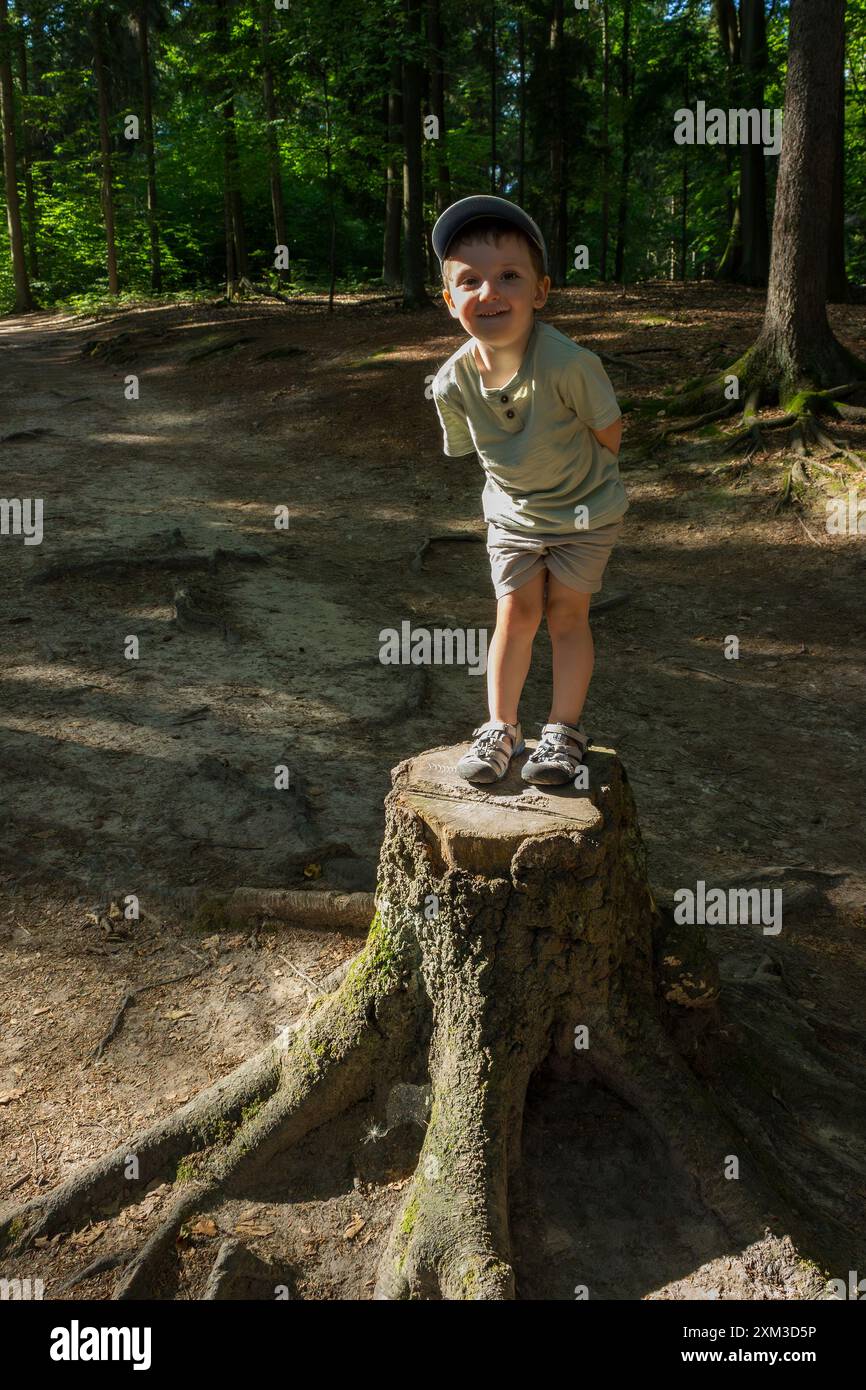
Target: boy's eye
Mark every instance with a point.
(470, 279)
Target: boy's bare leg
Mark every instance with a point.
(573, 651)
(517, 619)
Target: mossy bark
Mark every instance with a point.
(515, 929)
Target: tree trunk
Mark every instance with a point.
(274, 171)
(521, 108)
(23, 300)
(150, 153)
(106, 186)
(558, 126)
(237, 268)
(755, 262)
(414, 293)
(838, 286)
(605, 138)
(493, 157)
(515, 930)
(796, 343)
(26, 155)
(625, 171)
(436, 40)
(329, 184)
(393, 179)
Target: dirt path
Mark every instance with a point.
(127, 775)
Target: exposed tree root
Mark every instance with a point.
(171, 555)
(505, 936)
(308, 908)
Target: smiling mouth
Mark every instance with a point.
(494, 315)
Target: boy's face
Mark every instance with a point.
(493, 290)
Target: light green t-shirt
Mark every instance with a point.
(533, 436)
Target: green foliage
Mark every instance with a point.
(331, 63)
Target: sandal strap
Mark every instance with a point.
(553, 746)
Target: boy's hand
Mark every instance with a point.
(611, 436)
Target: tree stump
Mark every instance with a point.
(514, 928)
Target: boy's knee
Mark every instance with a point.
(567, 615)
(519, 611)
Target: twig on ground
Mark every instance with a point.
(129, 999)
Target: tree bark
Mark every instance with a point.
(521, 107)
(393, 178)
(274, 170)
(796, 342)
(755, 262)
(106, 185)
(236, 247)
(515, 930)
(838, 286)
(605, 137)
(23, 299)
(26, 153)
(625, 170)
(558, 126)
(436, 40)
(149, 151)
(492, 95)
(414, 294)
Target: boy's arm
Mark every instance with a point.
(610, 437)
(456, 436)
(585, 386)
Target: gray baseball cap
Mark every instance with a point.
(455, 218)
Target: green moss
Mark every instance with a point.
(14, 1231)
(250, 1111)
(187, 1169)
(410, 1216)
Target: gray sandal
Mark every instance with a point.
(496, 743)
(559, 754)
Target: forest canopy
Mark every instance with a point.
(175, 112)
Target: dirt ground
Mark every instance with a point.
(131, 776)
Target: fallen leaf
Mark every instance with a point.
(313, 871)
(6, 1096)
(205, 1226)
(248, 1228)
(357, 1224)
(85, 1237)
(174, 1014)
(37, 1012)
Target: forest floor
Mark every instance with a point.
(130, 776)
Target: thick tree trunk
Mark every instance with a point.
(744, 38)
(796, 343)
(515, 930)
(414, 293)
(23, 299)
(838, 286)
(149, 151)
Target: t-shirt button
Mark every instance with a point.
(510, 414)
(504, 400)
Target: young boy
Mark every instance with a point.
(543, 418)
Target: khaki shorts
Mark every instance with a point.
(577, 560)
